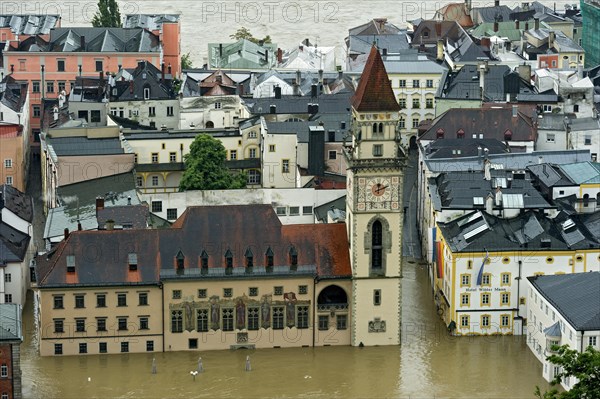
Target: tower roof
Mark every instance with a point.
(374, 92)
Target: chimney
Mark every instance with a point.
(277, 92)
(241, 89)
(340, 74)
(489, 204)
(438, 29)
(131, 87)
(536, 22)
(440, 50)
(496, 3)
(320, 76)
(267, 57)
(313, 90)
(82, 42)
(485, 151)
(515, 111)
(279, 56)
(128, 200)
(516, 24)
(66, 233)
(220, 49)
(525, 6)
(495, 26)
(296, 89)
(551, 37)
(162, 71)
(298, 77)
(540, 160)
(468, 6)
(301, 48)
(498, 200)
(79, 228)
(479, 151)
(487, 166)
(99, 203)
(110, 225)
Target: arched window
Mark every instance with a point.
(377, 246)
(380, 127)
(586, 200)
(374, 127)
(598, 199)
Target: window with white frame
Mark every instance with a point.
(550, 137)
(8, 163)
(9, 180)
(592, 341)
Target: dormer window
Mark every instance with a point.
(440, 133)
(270, 255)
(508, 135)
(249, 258)
(460, 134)
(133, 261)
(146, 93)
(180, 261)
(228, 259)
(204, 260)
(70, 263)
(293, 256)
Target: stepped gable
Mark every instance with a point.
(374, 92)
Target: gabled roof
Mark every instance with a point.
(29, 24)
(242, 54)
(491, 122)
(374, 92)
(17, 202)
(582, 172)
(567, 293)
(322, 249)
(149, 21)
(492, 13)
(457, 12)
(550, 175)
(13, 244)
(111, 40)
(144, 76)
(376, 26)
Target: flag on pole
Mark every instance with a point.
(480, 275)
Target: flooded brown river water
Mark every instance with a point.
(428, 364)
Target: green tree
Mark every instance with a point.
(205, 167)
(186, 61)
(244, 33)
(108, 15)
(584, 366)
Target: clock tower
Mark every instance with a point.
(374, 208)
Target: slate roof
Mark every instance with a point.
(468, 147)
(513, 161)
(376, 26)
(78, 201)
(583, 172)
(12, 95)
(465, 83)
(88, 89)
(406, 62)
(492, 13)
(10, 322)
(29, 24)
(322, 210)
(13, 244)
(132, 216)
(242, 54)
(83, 146)
(330, 122)
(550, 175)
(392, 43)
(215, 229)
(94, 40)
(144, 76)
(492, 122)
(374, 92)
(328, 104)
(149, 21)
(567, 293)
(457, 190)
(17, 202)
(479, 231)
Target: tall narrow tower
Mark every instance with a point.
(373, 205)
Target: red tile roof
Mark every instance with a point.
(374, 92)
(101, 257)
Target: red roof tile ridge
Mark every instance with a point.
(374, 92)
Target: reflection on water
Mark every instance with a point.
(429, 363)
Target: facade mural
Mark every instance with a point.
(240, 313)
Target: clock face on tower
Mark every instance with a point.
(378, 190)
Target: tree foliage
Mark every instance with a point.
(186, 61)
(205, 167)
(244, 33)
(584, 366)
(108, 15)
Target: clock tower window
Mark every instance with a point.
(377, 246)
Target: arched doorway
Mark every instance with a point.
(210, 125)
(412, 144)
